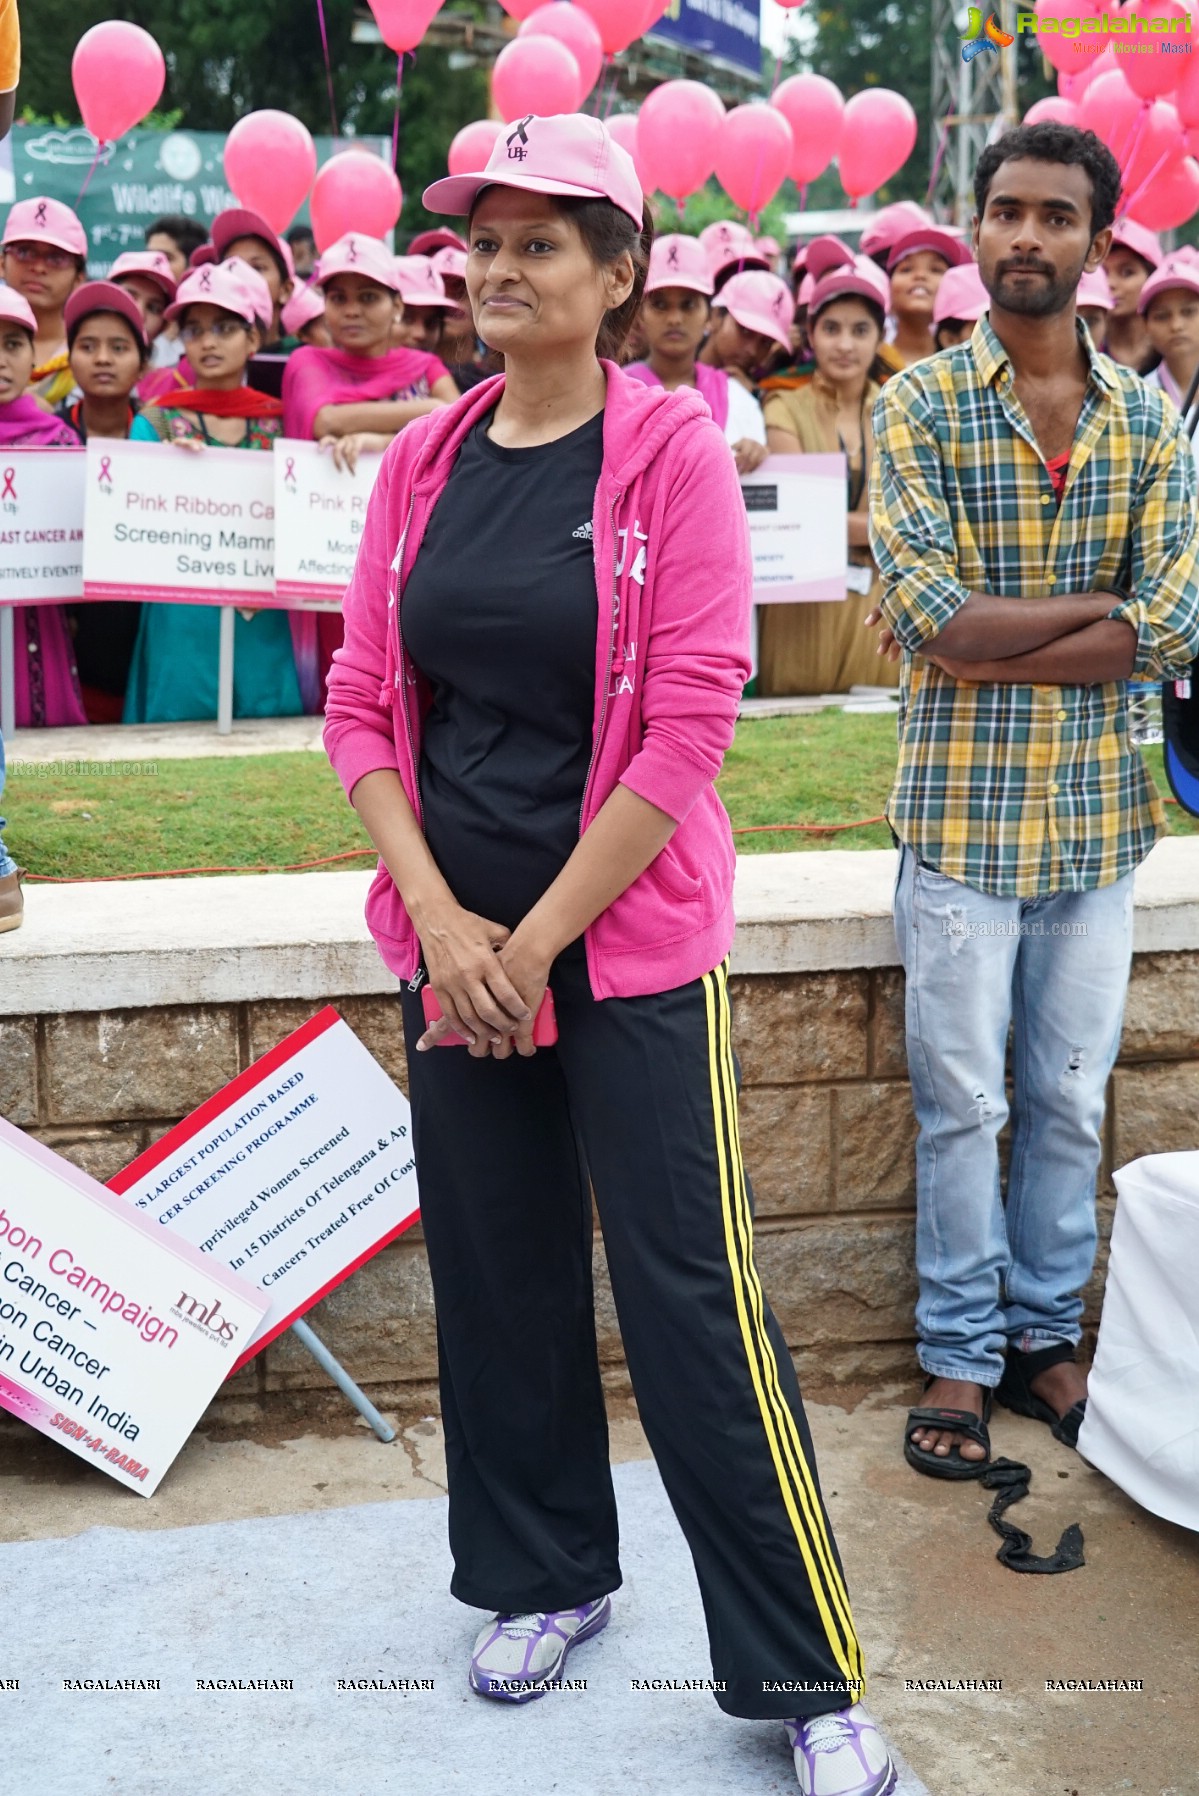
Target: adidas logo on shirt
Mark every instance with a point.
(583, 532)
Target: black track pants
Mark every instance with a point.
(640, 1093)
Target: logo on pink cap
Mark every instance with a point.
(519, 150)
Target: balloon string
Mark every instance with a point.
(395, 128)
(942, 146)
(1134, 141)
(87, 179)
(605, 67)
(320, 13)
(614, 89)
(803, 197)
(1137, 192)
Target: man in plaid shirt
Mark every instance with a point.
(1034, 520)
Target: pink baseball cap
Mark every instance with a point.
(357, 254)
(420, 284)
(427, 243)
(570, 154)
(103, 296)
(769, 247)
(1174, 272)
(450, 263)
(237, 222)
(1093, 290)
(46, 221)
(807, 287)
(224, 284)
(679, 261)
(202, 256)
(860, 278)
(1127, 234)
(823, 254)
(151, 264)
(961, 294)
(305, 304)
(928, 237)
(760, 302)
(890, 224)
(16, 309)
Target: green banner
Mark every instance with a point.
(146, 174)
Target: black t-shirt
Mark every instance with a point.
(499, 614)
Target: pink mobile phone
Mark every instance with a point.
(545, 1024)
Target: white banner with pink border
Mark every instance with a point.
(798, 508)
(320, 510)
(180, 526)
(114, 1333)
(41, 526)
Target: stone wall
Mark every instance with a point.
(826, 1125)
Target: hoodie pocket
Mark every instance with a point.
(673, 877)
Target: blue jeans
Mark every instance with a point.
(7, 864)
(1055, 968)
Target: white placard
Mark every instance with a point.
(292, 1175)
(798, 526)
(193, 527)
(320, 510)
(114, 1333)
(41, 525)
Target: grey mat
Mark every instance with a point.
(350, 1593)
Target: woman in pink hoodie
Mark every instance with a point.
(546, 644)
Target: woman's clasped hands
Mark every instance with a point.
(489, 981)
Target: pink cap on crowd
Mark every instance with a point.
(427, 243)
(927, 237)
(890, 224)
(421, 285)
(726, 239)
(103, 296)
(1127, 234)
(570, 154)
(16, 309)
(449, 262)
(151, 264)
(305, 305)
(859, 278)
(237, 222)
(45, 221)
(257, 289)
(679, 261)
(807, 287)
(770, 248)
(760, 302)
(202, 256)
(357, 254)
(224, 284)
(826, 253)
(1174, 272)
(1094, 290)
(961, 294)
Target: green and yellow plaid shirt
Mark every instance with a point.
(1025, 790)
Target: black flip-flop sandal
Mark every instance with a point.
(951, 1464)
(1015, 1390)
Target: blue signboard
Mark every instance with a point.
(726, 30)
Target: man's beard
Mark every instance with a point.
(1039, 298)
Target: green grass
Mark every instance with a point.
(275, 810)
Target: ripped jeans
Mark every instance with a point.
(1056, 969)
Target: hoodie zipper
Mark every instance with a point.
(401, 677)
(616, 497)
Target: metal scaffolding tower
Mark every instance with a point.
(972, 102)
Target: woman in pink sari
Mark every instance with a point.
(355, 396)
(47, 683)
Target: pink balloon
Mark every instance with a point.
(574, 28)
(879, 136)
(403, 23)
(270, 161)
(654, 11)
(1186, 97)
(1111, 110)
(1170, 198)
(1192, 142)
(473, 145)
(118, 74)
(753, 149)
(623, 128)
(354, 191)
(813, 107)
(1066, 53)
(620, 22)
(1074, 86)
(1156, 71)
(520, 9)
(1053, 111)
(535, 74)
(676, 135)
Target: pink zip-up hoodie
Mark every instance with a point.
(674, 582)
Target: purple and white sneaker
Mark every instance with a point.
(841, 1755)
(517, 1657)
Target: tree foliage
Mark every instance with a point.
(226, 58)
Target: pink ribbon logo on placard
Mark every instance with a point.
(289, 473)
(106, 471)
(10, 490)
